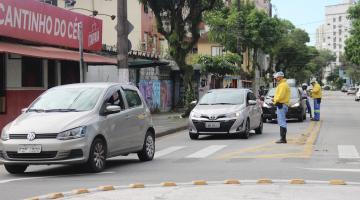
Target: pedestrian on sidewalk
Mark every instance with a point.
(281, 101)
(305, 95)
(316, 94)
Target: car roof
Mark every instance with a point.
(102, 85)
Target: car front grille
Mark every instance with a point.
(44, 154)
(37, 136)
(224, 126)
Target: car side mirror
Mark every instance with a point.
(24, 110)
(112, 109)
(252, 102)
(194, 102)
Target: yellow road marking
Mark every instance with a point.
(307, 139)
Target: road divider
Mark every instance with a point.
(195, 183)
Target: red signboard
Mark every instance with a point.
(39, 22)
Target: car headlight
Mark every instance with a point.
(295, 105)
(231, 115)
(72, 134)
(4, 135)
(195, 115)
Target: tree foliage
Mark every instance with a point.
(178, 21)
(220, 65)
(352, 48)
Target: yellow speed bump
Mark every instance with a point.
(81, 191)
(57, 195)
(33, 198)
(137, 185)
(264, 181)
(337, 182)
(168, 184)
(106, 188)
(231, 181)
(297, 181)
(199, 182)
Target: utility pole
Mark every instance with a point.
(81, 51)
(122, 40)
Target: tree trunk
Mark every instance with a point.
(256, 68)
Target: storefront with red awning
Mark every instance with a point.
(39, 49)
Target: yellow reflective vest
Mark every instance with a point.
(282, 93)
(316, 91)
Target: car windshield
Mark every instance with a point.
(67, 100)
(293, 90)
(223, 97)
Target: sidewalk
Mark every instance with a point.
(296, 189)
(167, 123)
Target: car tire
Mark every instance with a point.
(246, 133)
(97, 156)
(148, 151)
(301, 117)
(194, 136)
(15, 169)
(259, 130)
(264, 119)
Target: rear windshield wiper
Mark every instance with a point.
(224, 104)
(62, 110)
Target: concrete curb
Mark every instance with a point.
(171, 131)
(196, 183)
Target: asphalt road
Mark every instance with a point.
(316, 151)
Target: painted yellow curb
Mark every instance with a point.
(55, 195)
(80, 191)
(168, 184)
(199, 182)
(337, 182)
(297, 181)
(106, 188)
(264, 181)
(33, 198)
(137, 185)
(231, 181)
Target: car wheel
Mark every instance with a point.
(15, 169)
(194, 136)
(304, 115)
(301, 117)
(97, 156)
(246, 133)
(259, 129)
(148, 151)
(264, 119)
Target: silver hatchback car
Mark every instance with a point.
(79, 124)
(226, 111)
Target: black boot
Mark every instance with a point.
(283, 135)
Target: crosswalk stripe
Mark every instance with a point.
(348, 152)
(206, 151)
(167, 151)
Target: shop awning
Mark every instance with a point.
(54, 53)
(144, 63)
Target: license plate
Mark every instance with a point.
(29, 148)
(212, 124)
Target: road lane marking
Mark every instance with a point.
(348, 152)
(167, 151)
(333, 169)
(207, 151)
(40, 177)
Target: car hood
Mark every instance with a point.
(217, 110)
(53, 122)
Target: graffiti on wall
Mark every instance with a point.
(157, 94)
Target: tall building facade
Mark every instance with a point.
(333, 34)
